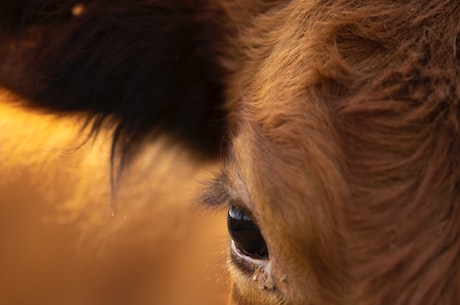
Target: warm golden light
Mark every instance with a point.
(60, 241)
(78, 9)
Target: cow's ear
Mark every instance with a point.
(150, 66)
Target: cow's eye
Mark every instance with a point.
(245, 234)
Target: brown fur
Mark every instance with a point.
(344, 131)
(348, 147)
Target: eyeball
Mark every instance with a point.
(245, 234)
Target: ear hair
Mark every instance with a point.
(148, 66)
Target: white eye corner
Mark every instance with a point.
(261, 275)
(260, 263)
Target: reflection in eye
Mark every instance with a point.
(245, 234)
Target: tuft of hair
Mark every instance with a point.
(145, 67)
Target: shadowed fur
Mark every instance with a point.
(147, 66)
(343, 120)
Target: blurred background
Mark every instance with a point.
(66, 239)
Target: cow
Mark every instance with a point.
(336, 123)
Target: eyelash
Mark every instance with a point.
(242, 227)
(216, 194)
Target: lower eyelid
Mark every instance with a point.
(240, 261)
(257, 272)
(241, 256)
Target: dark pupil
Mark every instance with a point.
(246, 234)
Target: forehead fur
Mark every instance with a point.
(352, 109)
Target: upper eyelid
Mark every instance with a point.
(217, 193)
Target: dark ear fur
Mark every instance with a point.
(149, 65)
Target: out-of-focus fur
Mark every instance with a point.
(126, 82)
(66, 239)
(342, 125)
